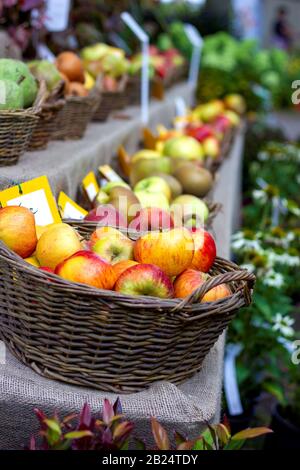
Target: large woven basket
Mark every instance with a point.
(133, 90)
(47, 122)
(111, 101)
(72, 120)
(16, 128)
(102, 339)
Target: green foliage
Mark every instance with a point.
(109, 431)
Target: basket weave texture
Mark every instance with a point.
(105, 340)
(47, 123)
(111, 101)
(16, 129)
(72, 120)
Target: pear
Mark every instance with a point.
(194, 180)
(147, 166)
(125, 202)
(44, 70)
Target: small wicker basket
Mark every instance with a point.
(106, 340)
(72, 120)
(47, 122)
(17, 127)
(111, 101)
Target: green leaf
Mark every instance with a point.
(222, 433)
(78, 434)
(251, 433)
(54, 426)
(234, 445)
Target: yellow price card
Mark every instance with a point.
(109, 173)
(90, 186)
(69, 209)
(37, 196)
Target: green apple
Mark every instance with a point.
(147, 199)
(184, 147)
(154, 184)
(113, 184)
(233, 117)
(147, 166)
(114, 248)
(186, 207)
(148, 154)
(95, 52)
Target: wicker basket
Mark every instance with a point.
(133, 90)
(111, 101)
(16, 128)
(72, 120)
(106, 340)
(47, 123)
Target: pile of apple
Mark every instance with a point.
(162, 63)
(168, 264)
(109, 62)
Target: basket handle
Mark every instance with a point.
(233, 276)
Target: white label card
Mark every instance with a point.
(57, 15)
(37, 202)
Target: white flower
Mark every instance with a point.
(249, 266)
(273, 279)
(283, 259)
(283, 324)
(240, 243)
(260, 195)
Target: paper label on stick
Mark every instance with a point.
(230, 380)
(69, 209)
(57, 15)
(91, 186)
(109, 173)
(35, 195)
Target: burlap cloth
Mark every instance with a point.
(185, 408)
(66, 163)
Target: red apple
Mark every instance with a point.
(145, 279)
(152, 218)
(122, 266)
(87, 268)
(191, 279)
(200, 133)
(172, 250)
(205, 250)
(17, 230)
(106, 214)
(222, 124)
(47, 270)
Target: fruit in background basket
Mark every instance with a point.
(222, 124)
(125, 201)
(154, 184)
(194, 180)
(172, 250)
(56, 244)
(89, 81)
(11, 95)
(113, 184)
(110, 84)
(200, 133)
(106, 214)
(209, 111)
(185, 147)
(120, 267)
(44, 70)
(152, 218)
(145, 279)
(152, 200)
(94, 52)
(211, 147)
(174, 184)
(17, 230)
(87, 268)
(145, 154)
(19, 73)
(190, 280)
(233, 117)
(114, 248)
(205, 250)
(70, 65)
(236, 103)
(142, 168)
(186, 207)
(77, 89)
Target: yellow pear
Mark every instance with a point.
(56, 244)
